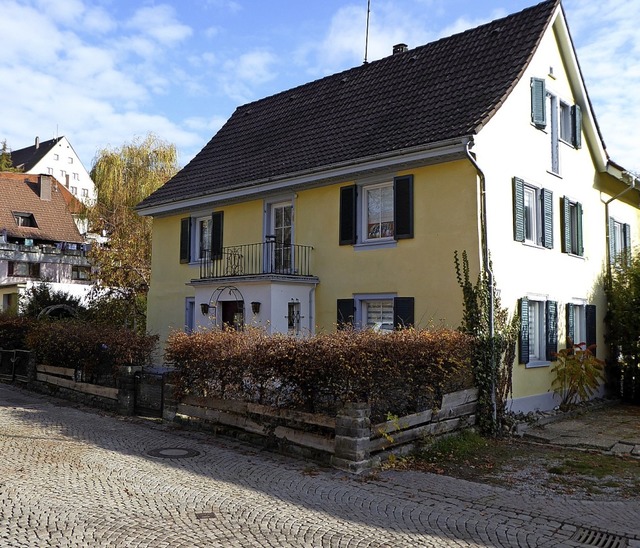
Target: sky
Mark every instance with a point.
(107, 72)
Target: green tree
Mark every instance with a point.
(5, 158)
(623, 327)
(123, 177)
(41, 300)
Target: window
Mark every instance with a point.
(25, 219)
(565, 119)
(70, 160)
(63, 174)
(201, 237)
(24, 269)
(538, 331)
(378, 212)
(572, 227)
(293, 318)
(85, 193)
(189, 314)
(581, 324)
(76, 176)
(619, 241)
(50, 170)
(74, 190)
(56, 156)
(80, 272)
(533, 214)
(385, 210)
(377, 312)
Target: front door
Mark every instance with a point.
(232, 313)
(281, 236)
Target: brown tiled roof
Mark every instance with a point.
(440, 91)
(27, 158)
(20, 193)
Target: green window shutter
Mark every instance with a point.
(551, 321)
(403, 207)
(538, 103)
(523, 339)
(185, 240)
(518, 209)
(403, 312)
(348, 206)
(346, 312)
(580, 250)
(217, 219)
(566, 225)
(590, 320)
(626, 231)
(571, 323)
(546, 196)
(576, 120)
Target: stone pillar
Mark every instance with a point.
(32, 370)
(353, 433)
(126, 392)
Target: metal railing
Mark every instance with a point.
(269, 257)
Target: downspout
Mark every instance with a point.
(607, 231)
(487, 270)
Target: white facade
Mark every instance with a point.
(63, 163)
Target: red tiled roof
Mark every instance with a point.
(444, 90)
(20, 193)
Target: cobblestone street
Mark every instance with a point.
(75, 477)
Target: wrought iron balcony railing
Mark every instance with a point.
(270, 257)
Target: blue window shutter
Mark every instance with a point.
(580, 250)
(590, 320)
(403, 312)
(346, 312)
(185, 240)
(216, 234)
(576, 120)
(523, 355)
(538, 103)
(571, 322)
(348, 206)
(403, 207)
(551, 321)
(546, 196)
(518, 209)
(566, 225)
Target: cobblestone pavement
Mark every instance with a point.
(75, 477)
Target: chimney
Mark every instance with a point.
(37, 142)
(400, 48)
(45, 187)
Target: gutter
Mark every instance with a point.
(486, 266)
(314, 176)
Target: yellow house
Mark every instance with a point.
(344, 200)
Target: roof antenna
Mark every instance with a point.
(366, 40)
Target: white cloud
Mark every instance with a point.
(160, 23)
(242, 76)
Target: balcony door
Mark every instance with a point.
(280, 238)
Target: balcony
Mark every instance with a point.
(269, 258)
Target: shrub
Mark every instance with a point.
(13, 331)
(400, 372)
(95, 351)
(577, 374)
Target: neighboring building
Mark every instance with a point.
(57, 158)
(344, 200)
(39, 240)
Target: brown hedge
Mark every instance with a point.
(399, 373)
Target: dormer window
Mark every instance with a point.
(25, 219)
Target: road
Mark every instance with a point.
(71, 476)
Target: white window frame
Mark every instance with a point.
(573, 227)
(579, 320)
(617, 236)
(365, 191)
(532, 215)
(74, 190)
(362, 302)
(565, 123)
(537, 332)
(199, 238)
